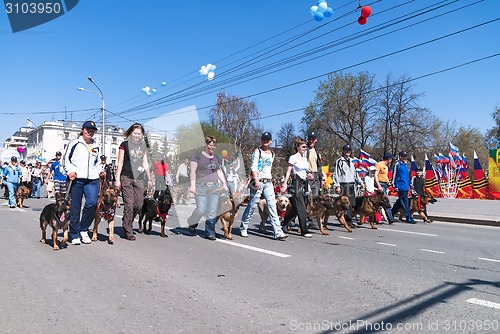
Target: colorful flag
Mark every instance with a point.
(413, 170)
(480, 184)
(431, 181)
(464, 185)
(453, 150)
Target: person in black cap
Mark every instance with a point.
(81, 164)
(315, 164)
(59, 175)
(345, 179)
(401, 182)
(107, 171)
(382, 180)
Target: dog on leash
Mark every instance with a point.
(368, 206)
(155, 209)
(228, 211)
(282, 205)
(22, 193)
(415, 206)
(57, 216)
(106, 209)
(325, 206)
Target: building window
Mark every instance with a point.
(113, 151)
(114, 140)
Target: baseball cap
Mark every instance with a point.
(89, 125)
(346, 148)
(13, 159)
(58, 153)
(22, 162)
(403, 154)
(312, 134)
(266, 135)
(387, 156)
(103, 157)
(372, 168)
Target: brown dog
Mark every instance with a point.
(228, 210)
(282, 205)
(325, 206)
(106, 209)
(22, 193)
(367, 206)
(420, 208)
(57, 216)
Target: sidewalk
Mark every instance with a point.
(465, 211)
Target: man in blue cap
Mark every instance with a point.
(315, 163)
(401, 183)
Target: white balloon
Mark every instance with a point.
(203, 70)
(153, 91)
(143, 90)
(147, 89)
(313, 10)
(322, 6)
(148, 93)
(213, 68)
(210, 75)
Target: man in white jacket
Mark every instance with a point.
(82, 165)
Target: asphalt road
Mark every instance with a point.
(423, 278)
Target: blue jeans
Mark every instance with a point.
(388, 212)
(36, 184)
(206, 205)
(79, 188)
(268, 191)
(12, 187)
(403, 202)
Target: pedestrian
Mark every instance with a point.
(401, 183)
(182, 180)
(315, 164)
(261, 185)
(382, 181)
(24, 174)
(12, 174)
(107, 172)
(299, 188)
(36, 180)
(131, 173)
(417, 185)
(81, 165)
(161, 169)
(59, 175)
(345, 180)
(49, 180)
(205, 177)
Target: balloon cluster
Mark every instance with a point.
(208, 71)
(151, 91)
(365, 12)
(321, 10)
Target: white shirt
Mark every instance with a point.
(370, 183)
(300, 165)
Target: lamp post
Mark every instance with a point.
(102, 109)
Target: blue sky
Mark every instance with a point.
(127, 45)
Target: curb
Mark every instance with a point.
(466, 221)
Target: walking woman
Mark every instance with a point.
(36, 179)
(299, 188)
(204, 179)
(81, 163)
(132, 167)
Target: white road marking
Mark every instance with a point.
(386, 244)
(484, 303)
(431, 251)
(408, 232)
(256, 249)
(491, 260)
(348, 238)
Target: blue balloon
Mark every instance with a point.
(163, 83)
(328, 12)
(318, 16)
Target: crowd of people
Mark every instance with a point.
(82, 169)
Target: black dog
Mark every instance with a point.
(155, 209)
(57, 216)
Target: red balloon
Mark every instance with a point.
(366, 11)
(362, 20)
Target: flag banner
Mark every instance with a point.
(480, 184)
(494, 167)
(431, 180)
(453, 150)
(413, 170)
(464, 184)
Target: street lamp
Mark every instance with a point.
(102, 109)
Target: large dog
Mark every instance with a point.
(415, 206)
(155, 209)
(367, 206)
(22, 193)
(282, 205)
(57, 216)
(325, 206)
(227, 210)
(106, 209)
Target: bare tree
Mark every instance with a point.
(285, 138)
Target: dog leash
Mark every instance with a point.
(69, 188)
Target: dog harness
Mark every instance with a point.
(163, 216)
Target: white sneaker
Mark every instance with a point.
(85, 238)
(75, 241)
(307, 235)
(244, 234)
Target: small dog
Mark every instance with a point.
(155, 208)
(21, 194)
(282, 205)
(367, 206)
(57, 216)
(106, 209)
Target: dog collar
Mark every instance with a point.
(163, 216)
